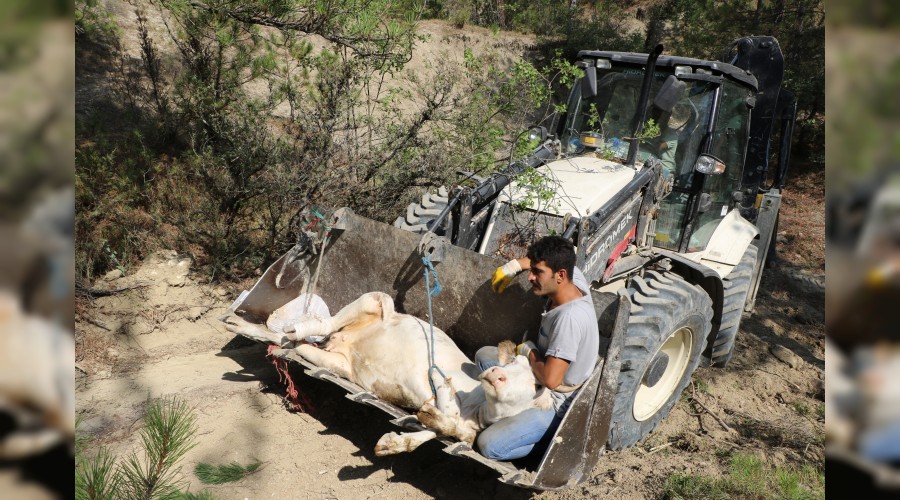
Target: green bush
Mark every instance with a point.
(213, 171)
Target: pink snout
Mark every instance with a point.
(495, 376)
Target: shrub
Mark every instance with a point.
(154, 472)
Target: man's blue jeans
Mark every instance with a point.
(516, 436)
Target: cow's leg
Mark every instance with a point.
(333, 361)
(445, 415)
(236, 324)
(393, 443)
(445, 401)
(368, 308)
(433, 418)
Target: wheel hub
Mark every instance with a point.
(656, 369)
(663, 374)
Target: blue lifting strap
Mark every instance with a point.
(431, 292)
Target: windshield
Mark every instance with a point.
(611, 111)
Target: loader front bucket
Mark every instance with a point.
(363, 256)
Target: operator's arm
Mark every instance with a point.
(504, 274)
(549, 370)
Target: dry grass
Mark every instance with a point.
(91, 349)
(91, 345)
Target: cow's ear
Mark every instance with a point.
(387, 306)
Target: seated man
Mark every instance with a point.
(566, 352)
(668, 142)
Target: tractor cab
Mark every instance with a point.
(697, 127)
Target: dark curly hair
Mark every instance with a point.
(557, 252)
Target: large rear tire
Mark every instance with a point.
(667, 332)
(418, 215)
(736, 287)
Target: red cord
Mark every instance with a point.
(297, 400)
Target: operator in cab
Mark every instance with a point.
(668, 142)
(566, 352)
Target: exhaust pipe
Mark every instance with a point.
(640, 113)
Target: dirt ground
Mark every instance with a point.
(162, 336)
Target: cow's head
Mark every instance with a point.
(512, 385)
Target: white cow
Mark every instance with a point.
(385, 352)
(37, 388)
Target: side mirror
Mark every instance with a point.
(709, 165)
(538, 134)
(671, 91)
(589, 82)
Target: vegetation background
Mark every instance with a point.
(242, 116)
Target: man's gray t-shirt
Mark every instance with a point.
(570, 332)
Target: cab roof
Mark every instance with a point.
(665, 61)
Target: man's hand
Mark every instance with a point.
(504, 275)
(525, 347)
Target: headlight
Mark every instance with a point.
(710, 165)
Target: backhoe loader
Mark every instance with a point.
(658, 173)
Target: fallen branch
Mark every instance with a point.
(713, 415)
(97, 292)
(96, 323)
(707, 410)
(659, 448)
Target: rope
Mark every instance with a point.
(431, 292)
(317, 219)
(294, 398)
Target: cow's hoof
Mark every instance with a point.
(506, 352)
(391, 444)
(240, 326)
(234, 323)
(431, 416)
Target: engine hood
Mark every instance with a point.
(579, 186)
